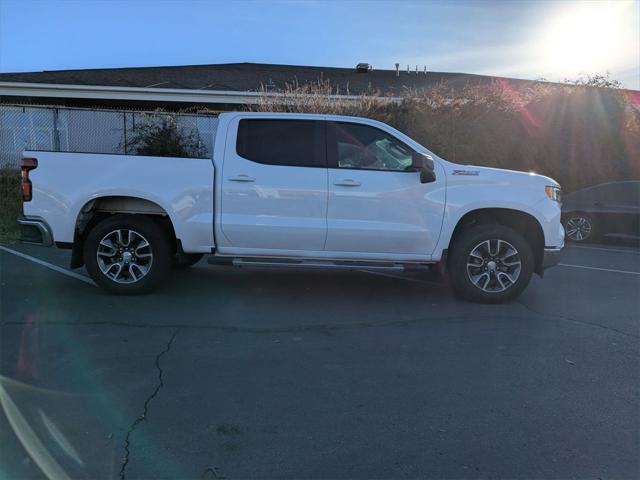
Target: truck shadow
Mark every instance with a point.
(267, 300)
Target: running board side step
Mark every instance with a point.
(254, 262)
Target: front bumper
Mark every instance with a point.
(551, 257)
(34, 230)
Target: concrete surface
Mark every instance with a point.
(232, 373)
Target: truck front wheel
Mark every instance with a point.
(490, 264)
(127, 254)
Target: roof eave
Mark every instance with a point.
(99, 92)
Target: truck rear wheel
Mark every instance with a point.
(490, 264)
(127, 254)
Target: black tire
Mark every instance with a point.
(157, 268)
(181, 261)
(460, 256)
(584, 223)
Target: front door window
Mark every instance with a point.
(368, 148)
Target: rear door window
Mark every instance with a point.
(294, 143)
(621, 194)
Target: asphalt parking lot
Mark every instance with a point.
(232, 373)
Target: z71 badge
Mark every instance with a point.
(466, 172)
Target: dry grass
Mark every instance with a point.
(322, 97)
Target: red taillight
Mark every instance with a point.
(27, 164)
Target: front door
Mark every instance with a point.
(377, 205)
(274, 186)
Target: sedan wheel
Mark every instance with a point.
(578, 228)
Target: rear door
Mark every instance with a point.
(274, 185)
(377, 207)
(620, 204)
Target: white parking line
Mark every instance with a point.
(598, 268)
(618, 250)
(56, 268)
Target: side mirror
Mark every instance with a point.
(423, 163)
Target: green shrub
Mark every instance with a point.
(10, 204)
(160, 135)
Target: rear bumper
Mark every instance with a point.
(551, 257)
(34, 230)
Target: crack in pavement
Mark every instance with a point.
(328, 329)
(323, 328)
(575, 320)
(143, 416)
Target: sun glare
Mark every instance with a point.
(587, 38)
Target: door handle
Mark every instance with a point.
(241, 178)
(347, 183)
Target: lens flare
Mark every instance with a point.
(590, 37)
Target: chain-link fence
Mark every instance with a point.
(63, 129)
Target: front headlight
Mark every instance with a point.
(554, 193)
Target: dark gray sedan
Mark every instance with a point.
(609, 209)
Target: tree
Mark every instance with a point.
(599, 81)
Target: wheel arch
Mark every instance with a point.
(522, 222)
(97, 209)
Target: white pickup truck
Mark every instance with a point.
(294, 190)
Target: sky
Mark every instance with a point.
(536, 39)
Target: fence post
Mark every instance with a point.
(124, 129)
(56, 133)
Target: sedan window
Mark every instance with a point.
(621, 193)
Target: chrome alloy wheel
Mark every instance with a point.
(124, 256)
(494, 266)
(578, 228)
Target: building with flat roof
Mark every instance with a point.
(97, 109)
(218, 86)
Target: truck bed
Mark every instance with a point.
(181, 187)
